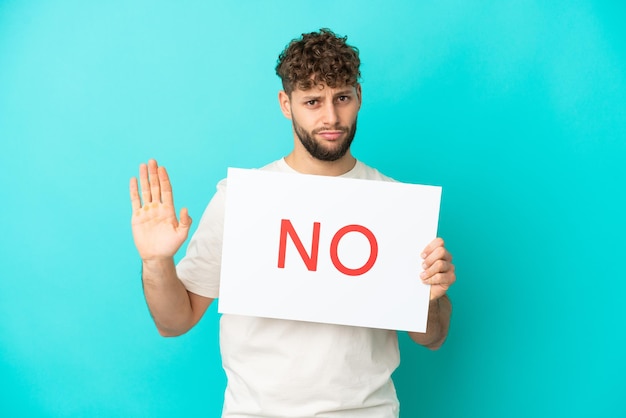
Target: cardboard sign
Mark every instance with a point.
(327, 249)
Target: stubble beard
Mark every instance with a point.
(317, 148)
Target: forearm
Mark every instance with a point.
(167, 298)
(439, 313)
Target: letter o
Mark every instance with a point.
(373, 250)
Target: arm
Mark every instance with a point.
(158, 235)
(174, 309)
(439, 312)
(439, 273)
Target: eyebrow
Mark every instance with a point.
(347, 92)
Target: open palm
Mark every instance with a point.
(156, 230)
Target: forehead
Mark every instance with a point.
(323, 89)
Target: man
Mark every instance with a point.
(281, 368)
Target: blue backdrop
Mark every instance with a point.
(516, 108)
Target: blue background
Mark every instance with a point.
(516, 108)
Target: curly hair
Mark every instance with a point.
(318, 57)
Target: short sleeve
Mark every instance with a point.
(199, 270)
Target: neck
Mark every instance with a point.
(304, 163)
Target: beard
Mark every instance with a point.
(321, 151)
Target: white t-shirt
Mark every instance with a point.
(292, 369)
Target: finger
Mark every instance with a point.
(440, 266)
(185, 219)
(442, 279)
(135, 202)
(439, 253)
(155, 184)
(166, 187)
(437, 242)
(146, 196)
(437, 291)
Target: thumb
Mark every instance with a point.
(185, 219)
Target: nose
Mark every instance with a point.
(330, 116)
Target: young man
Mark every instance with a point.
(281, 368)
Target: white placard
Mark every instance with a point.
(369, 237)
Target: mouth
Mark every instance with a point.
(330, 135)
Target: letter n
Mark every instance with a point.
(286, 228)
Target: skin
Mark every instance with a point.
(321, 108)
(158, 234)
(324, 115)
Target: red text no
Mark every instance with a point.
(310, 259)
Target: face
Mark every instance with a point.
(324, 119)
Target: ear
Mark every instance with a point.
(285, 104)
(358, 93)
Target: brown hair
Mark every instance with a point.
(318, 57)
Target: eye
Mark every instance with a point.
(311, 102)
(343, 98)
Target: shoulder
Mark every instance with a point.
(365, 172)
(278, 165)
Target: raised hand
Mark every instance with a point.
(156, 230)
(438, 268)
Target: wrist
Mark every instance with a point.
(159, 259)
(156, 264)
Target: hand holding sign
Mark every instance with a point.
(156, 230)
(438, 268)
